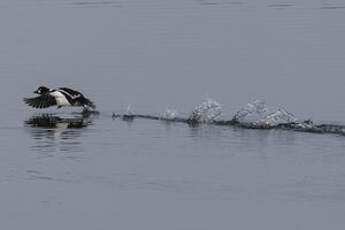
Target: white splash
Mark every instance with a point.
(258, 114)
(129, 110)
(169, 115)
(207, 111)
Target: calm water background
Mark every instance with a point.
(160, 54)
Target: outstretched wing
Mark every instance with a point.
(41, 102)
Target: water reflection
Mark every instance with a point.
(54, 133)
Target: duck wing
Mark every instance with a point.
(41, 102)
(70, 92)
(76, 97)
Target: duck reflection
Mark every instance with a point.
(52, 121)
(54, 133)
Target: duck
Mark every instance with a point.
(59, 97)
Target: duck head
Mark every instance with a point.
(41, 90)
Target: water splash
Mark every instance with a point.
(129, 110)
(206, 112)
(254, 115)
(257, 114)
(169, 115)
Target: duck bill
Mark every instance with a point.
(36, 92)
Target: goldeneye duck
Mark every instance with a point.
(59, 97)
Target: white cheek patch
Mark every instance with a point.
(60, 99)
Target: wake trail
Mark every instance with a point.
(254, 115)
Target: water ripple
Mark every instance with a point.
(332, 7)
(96, 3)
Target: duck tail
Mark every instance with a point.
(89, 103)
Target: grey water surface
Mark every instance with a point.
(97, 172)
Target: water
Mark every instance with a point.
(164, 58)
